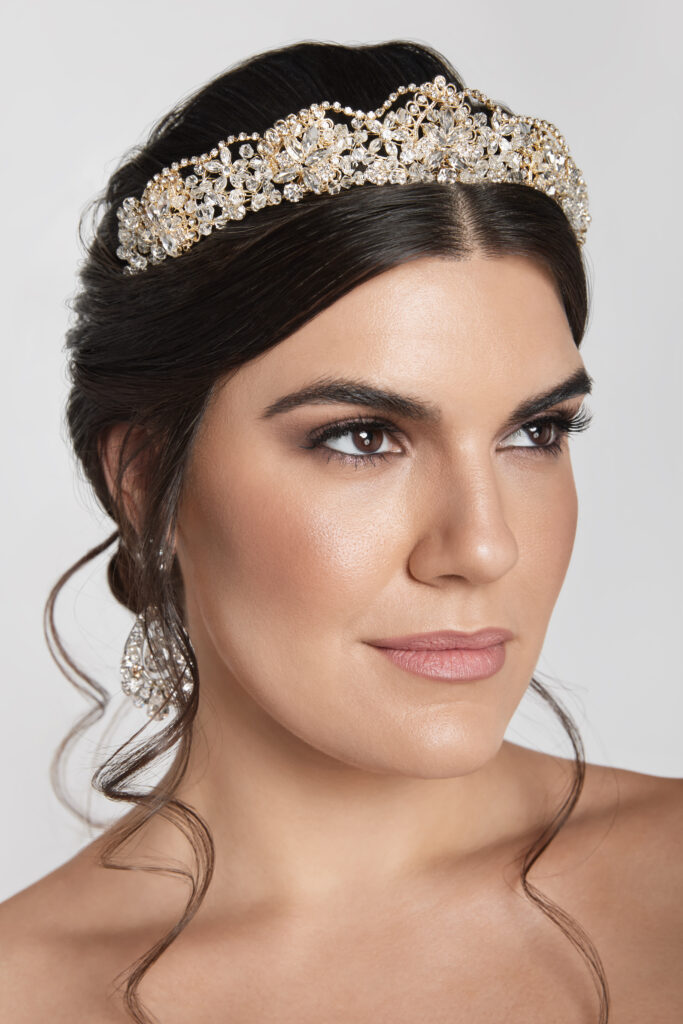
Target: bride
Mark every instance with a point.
(331, 426)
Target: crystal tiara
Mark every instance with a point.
(435, 136)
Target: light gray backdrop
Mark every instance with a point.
(84, 80)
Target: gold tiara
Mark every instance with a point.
(435, 136)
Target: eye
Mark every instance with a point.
(551, 430)
(362, 442)
(358, 441)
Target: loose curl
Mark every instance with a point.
(149, 351)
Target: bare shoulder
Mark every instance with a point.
(617, 865)
(631, 820)
(643, 814)
(37, 911)
(649, 836)
(58, 953)
(36, 927)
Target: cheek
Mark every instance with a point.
(279, 551)
(287, 571)
(546, 528)
(296, 554)
(280, 576)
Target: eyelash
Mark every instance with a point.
(563, 422)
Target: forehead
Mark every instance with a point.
(477, 331)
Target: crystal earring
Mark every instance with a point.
(146, 679)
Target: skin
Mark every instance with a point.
(367, 821)
(292, 561)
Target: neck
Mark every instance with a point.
(295, 826)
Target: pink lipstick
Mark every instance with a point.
(448, 654)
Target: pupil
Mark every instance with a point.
(365, 434)
(544, 427)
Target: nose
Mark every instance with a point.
(462, 526)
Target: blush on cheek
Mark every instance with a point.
(262, 541)
(546, 547)
(563, 532)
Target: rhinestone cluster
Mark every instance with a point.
(435, 136)
(144, 678)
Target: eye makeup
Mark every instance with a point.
(560, 424)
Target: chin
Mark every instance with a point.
(456, 745)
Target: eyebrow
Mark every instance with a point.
(359, 392)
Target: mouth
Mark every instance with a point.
(448, 654)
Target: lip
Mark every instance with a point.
(446, 640)
(455, 664)
(448, 654)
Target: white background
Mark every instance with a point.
(84, 81)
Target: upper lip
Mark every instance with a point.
(446, 640)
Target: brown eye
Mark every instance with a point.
(359, 441)
(368, 441)
(546, 434)
(542, 432)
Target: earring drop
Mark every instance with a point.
(147, 679)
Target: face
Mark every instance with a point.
(298, 549)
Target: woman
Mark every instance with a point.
(331, 429)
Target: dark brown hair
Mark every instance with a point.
(148, 350)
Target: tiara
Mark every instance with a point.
(435, 136)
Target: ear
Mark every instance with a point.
(123, 442)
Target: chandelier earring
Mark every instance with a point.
(147, 668)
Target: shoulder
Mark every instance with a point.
(641, 817)
(646, 844)
(632, 803)
(630, 820)
(621, 843)
(617, 866)
(33, 939)
(58, 955)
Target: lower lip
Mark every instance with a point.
(458, 663)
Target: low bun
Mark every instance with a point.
(122, 577)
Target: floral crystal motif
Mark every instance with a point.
(145, 678)
(435, 136)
